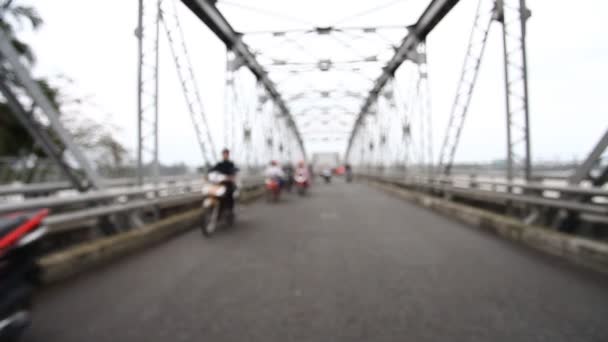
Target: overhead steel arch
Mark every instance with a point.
(429, 19)
(208, 13)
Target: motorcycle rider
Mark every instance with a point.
(348, 170)
(288, 170)
(227, 167)
(302, 170)
(326, 174)
(274, 171)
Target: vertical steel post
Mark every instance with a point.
(513, 14)
(140, 53)
(155, 167)
(147, 88)
(524, 14)
(505, 51)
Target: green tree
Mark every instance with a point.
(14, 139)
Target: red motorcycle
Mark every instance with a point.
(273, 189)
(19, 237)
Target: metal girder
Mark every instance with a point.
(213, 18)
(432, 15)
(468, 76)
(192, 95)
(327, 30)
(513, 14)
(41, 136)
(50, 112)
(583, 172)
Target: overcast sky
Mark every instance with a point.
(92, 42)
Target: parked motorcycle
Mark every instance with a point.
(20, 235)
(302, 184)
(215, 210)
(273, 189)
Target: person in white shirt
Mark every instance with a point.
(302, 170)
(274, 171)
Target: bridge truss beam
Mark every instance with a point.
(433, 14)
(207, 12)
(486, 12)
(183, 65)
(47, 110)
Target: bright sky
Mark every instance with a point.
(93, 43)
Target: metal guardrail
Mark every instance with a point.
(92, 197)
(60, 223)
(473, 182)
(51, 187)
(498, 192)
(70, 212)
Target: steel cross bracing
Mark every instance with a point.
(397, 130)
(597, 161)
(255, 129)
(304, 65)
(433, 14)
(512, 14)
(36, 130)
(325, 72)
(211, 16)
(46, 110)
(183, 64)
(486, 12)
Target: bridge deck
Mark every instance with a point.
(345, 264)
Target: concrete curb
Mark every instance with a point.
(64, 264)
(589, 253)
(80, 258)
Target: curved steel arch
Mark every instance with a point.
(209, 14)
(429, 19)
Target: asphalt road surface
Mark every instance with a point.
(346, 263)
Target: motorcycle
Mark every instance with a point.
(214, 204)
(326, 174)
(20, 235)
(349, 177)
(302, 184)
(273, 189)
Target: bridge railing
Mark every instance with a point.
(47, 188)
(536, 202)
(78, 217)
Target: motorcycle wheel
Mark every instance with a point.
(210, 220)
(230, 218)
(13, 332)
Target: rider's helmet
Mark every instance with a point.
(273, 163)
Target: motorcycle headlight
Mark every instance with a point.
(220, 191)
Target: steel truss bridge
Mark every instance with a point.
(364, 89)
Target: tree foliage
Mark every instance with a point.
(95, 138)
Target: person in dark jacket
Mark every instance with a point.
(227, 167)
